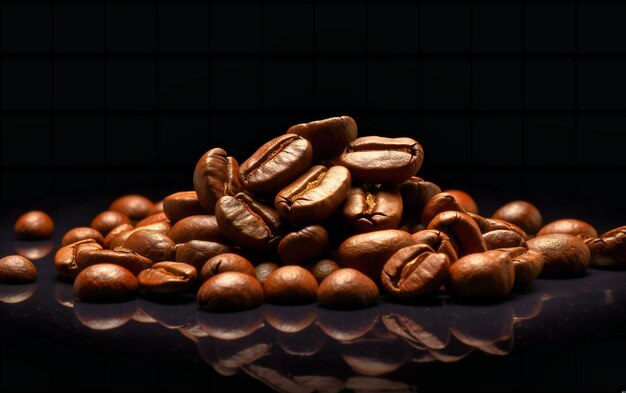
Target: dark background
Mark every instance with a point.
(509, 99)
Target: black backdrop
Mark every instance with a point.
(510, 99)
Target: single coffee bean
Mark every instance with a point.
(413, 271)
(440, 203)
(230, 291)
(65, 257)
(521, 213)
(569, 226)
(248, 223)
(168, 278)
(347, 289)
(416, 193)
(564, 254)
(197, 252)
(375, 159)
(160, 226)
(263, 271)
(373, 208)
(107, 220)
(34, 225)
(368, 252)
(323, 268)
(182, 204)
(215, 176)
(135, 207)
(609, 249)
(105, 283)
(438, 241)
(15, 269)
(196, 228)
(153, 219)
(290, 285)
(328, 137)
(304, 245)
(487, 274)
(495, 225)
(462, 230)
(527, 264)
(315, 195)
(118, 230)
(151, 244)
(156, 208)
(276, 164)
(483, 223)
(503, 238)
(228, 262)
(465, 200)
(81, 233)
(121, 256)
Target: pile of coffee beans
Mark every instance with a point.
(315, 214)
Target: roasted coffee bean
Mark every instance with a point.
(527, 264)
(156, 208)
(168, 278)
(413, 271)
(105, 283)
(15, 269)
(442, 202)
(290, 285)
(483, 223)
(438, 241)
(465, 200)
(569, 226)
(462, 230)
(81, 233)
(503, 238)
(304, 245)
(228, 262)
(276, 164)
(368, 252)
(315, 195)
(197, 252)
(151, 244)
(495, 225)
(196, 228)
(153, 219)
(248, 223)
(323, 268)
(230, 291)
(113, 233)
(215, 176)
(521, 213)
(263, 270)
(564, 254)
(487, 274)
(182, 204)
(609, 249)
(328, 137)
(107, 220)
(373, 208)
(65, 257)
(135, 207)
(34, 225)
(416, 193)
(347, 289)
(121, 256)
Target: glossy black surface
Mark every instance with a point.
(556, 335)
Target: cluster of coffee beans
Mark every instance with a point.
(317, 214)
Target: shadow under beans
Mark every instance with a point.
(420, 301)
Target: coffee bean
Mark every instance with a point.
(135, 207)
(494, 224)
(105, 283)
(521, 213)
(416, 193)
(413, 271)
(323, 268)
(465, 200)
(527, 264)
(374, 159)
(569, 226)
(263, 271)
(276, 164)
(609, 249)
(65, 257)
(230, 291)
(168, 278)
(153, 219)
(290, 285)
(248, 223)
(215, 176)
(197, 252)
(228, 262)
(328, 137)
(151, 244)
(81, 233)
(484, 223)
(107, 220)
(304, 245)
(347, 289)
(462, 230)
(15, 269)
(373, 208)
(438, 241)
(440, 203)
(487, 274)
(34, 225)
(182, 204)
(156, 208)
(121, 256)
(564, 254)
(118, 230)
(196, 228)
(503, 238)
(314, 196)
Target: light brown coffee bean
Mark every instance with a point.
(487, 274)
